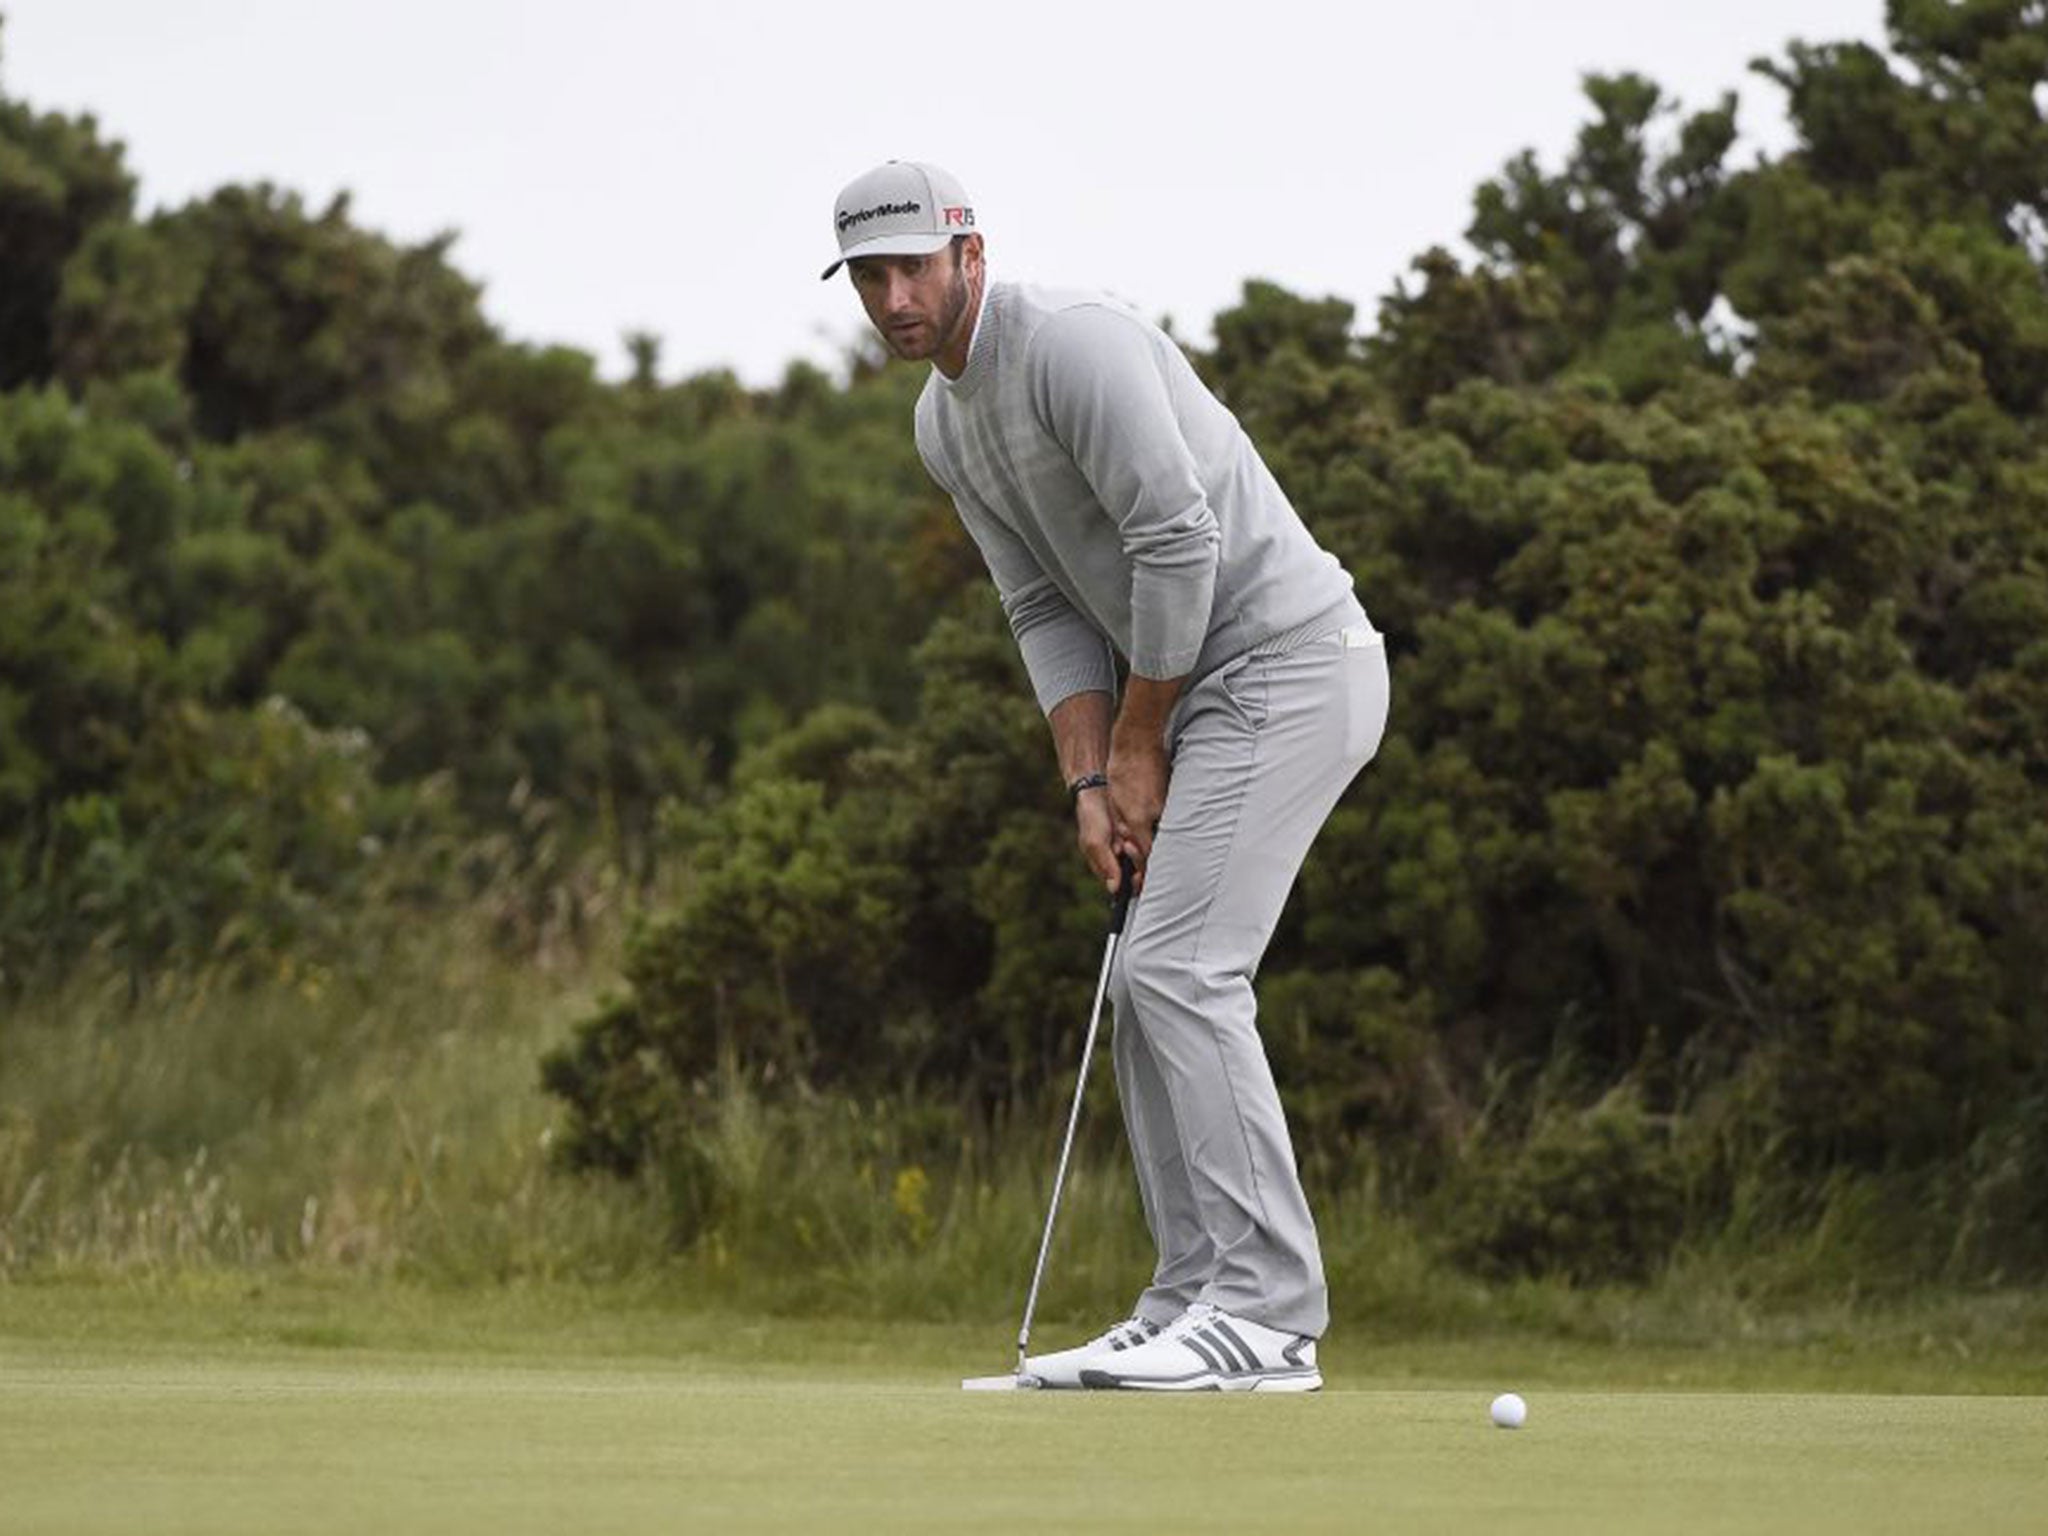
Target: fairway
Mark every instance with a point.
(323, 1440)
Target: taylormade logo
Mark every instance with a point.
(880, 211)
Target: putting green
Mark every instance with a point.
(109, 1438)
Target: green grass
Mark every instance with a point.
(385, 1122)
(1943, 1345)
(316, 1131)
(219, 1405)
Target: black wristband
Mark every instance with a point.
(1086, 781)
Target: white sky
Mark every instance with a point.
(620, 164)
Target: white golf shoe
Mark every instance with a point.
(1207, 1350)
(1064, 1368)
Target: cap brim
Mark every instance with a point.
(891, 245)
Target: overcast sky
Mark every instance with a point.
(622, 164)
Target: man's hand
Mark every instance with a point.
(1080, 732)
(1095, 831)
(1137, 794)
(1122, 819)
(1138, 765)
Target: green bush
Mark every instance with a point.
(1590, 1196)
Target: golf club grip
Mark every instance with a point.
(1120, 904)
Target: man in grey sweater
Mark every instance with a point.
(1121, 510)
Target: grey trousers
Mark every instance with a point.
(1261, 750)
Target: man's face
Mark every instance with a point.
(918, 303)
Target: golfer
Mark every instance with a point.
(1122, 512)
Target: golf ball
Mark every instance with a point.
(1509, 1410)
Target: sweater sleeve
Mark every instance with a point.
(1099, 389)
(1063, 653)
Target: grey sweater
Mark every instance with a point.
(1115, 500)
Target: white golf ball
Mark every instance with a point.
(1509, 1410)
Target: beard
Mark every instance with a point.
(952, 312)
(957, 297)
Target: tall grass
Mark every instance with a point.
(387, 1124)
(394, 1126)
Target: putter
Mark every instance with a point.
(1023, 1380)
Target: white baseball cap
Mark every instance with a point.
(904, 208)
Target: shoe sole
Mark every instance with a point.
(1209, 1381)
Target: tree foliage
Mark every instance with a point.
(258, 463)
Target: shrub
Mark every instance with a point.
(1593, 1195)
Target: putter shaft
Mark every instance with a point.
(1067, 1146)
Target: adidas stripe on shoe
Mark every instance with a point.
(1063, 1369)
(1208, 1350)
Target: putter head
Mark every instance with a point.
(1021, 1381)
